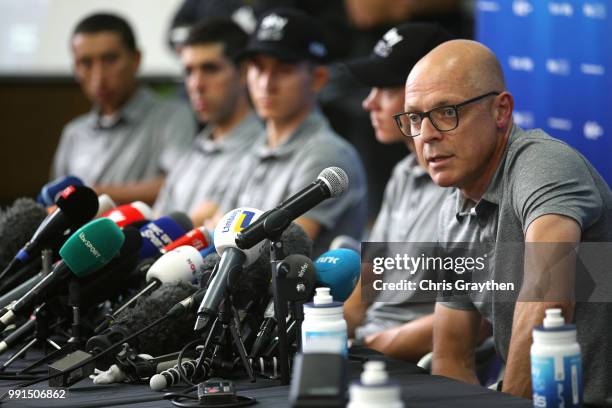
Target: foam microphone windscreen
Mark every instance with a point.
(17, 224)
(256, 277)
(182, 219)
(168, 336)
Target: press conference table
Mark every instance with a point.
(418, 390)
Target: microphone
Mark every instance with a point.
(17, 224)
(50, 191)
(178, 265)
(338, 270)
(129, 213)
(199, 238)
(300, 269)
(87, 250)
(105, 204)
(76, 206)
(331, 182)
(231, 262)
(161, 232)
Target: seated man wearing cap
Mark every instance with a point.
(400, 323)
(284, 74)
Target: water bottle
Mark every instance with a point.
(556, 366)
(375, 390)
(324, 328)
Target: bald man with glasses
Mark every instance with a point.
(513, 186)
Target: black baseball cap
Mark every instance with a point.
(289, 35)
(396, 53)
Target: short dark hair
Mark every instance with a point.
(99, 22)
(219, 30)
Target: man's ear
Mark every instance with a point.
(320, 75)
(242, 71)
(137, 60)
(503, 109)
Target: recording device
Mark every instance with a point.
(319, 380)
(199, 238)
(129, 213)
(231, 263)
(50, 191)
(87, 250)
(331, 182)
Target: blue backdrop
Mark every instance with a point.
(557, 58)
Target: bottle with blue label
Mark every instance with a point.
(556, 365)
(324, 328)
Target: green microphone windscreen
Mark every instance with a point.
(92, 246)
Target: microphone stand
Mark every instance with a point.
(75, 342)
(41, 325)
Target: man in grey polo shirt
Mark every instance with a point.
(131, 138)
(514, 186)
(216, 84)
(399, 324)
(284, 74)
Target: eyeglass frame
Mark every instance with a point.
(427, 114)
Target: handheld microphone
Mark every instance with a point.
(76, 206)
(338, 270)
(105, 204)
(199, 238)
(231, 262)
(87, 250)
(161, 232)
(331, 182)
(50, 191)
(129, 213)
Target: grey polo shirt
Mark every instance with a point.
(141, 141)
(267, 176)
(203, 173)
(538, 175)
(408, 215)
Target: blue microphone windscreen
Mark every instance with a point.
(338, 270)
(157, 234)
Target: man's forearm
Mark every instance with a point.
(145, 190)
(454, 368)
(527, 315)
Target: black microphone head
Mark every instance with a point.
(336, 180)
(181, 219)
(79, 203)
(210, 261)
(17, 224)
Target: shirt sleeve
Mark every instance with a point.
(549, 177)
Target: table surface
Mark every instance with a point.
(418, 390)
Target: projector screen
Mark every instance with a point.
(34, 34)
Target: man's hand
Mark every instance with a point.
(145, 191)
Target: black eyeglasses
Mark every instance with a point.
(443, 118)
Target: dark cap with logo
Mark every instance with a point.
(396, 53)
(289, 35)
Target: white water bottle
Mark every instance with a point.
(324, 328)
(556, 365)
(375, 390)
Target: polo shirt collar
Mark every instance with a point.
(131, 112)
(493, 193)
(313, 122)
(237, 137)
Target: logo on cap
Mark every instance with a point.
(385, 45)
(271, 28)
(317, 49)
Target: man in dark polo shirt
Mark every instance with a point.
(513, 186)
(285, 61)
